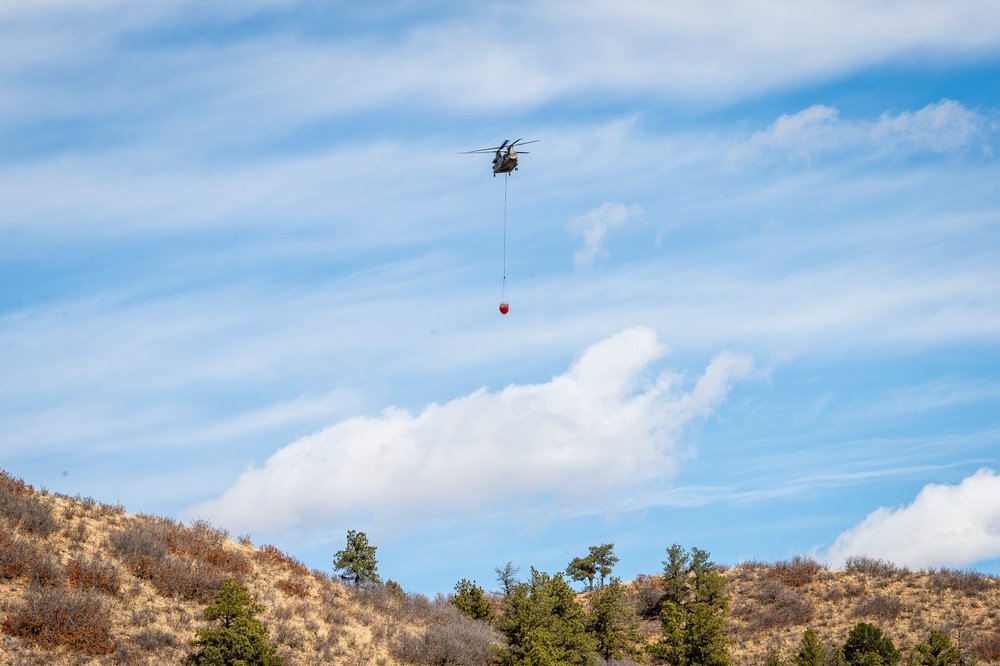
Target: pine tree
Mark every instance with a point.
(811, 652)
(544, 625)
(242, 638)
(604, 561)
(938, 651)
(471, 600)
(357, 560)
(695, 607)
(583, 570)
(612, 622)
(867, 646)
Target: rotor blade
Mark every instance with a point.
(481, 150)
(521, 142)
(503, 144)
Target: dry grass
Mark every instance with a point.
(86, 583)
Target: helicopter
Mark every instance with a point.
(505, 159)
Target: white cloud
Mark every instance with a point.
(953, 526)
(594, 226)
(943, 127)
(602, 425)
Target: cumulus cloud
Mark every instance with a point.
(953, 526)
(594, 226)
(604, 424)
(943, 127)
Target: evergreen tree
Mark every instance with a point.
(695, 608)
(357, 560)
(811, 652)
(544, 625)
(471, 600)
(242, 638)
(867, 646)
(835, 656)
(604, 561)
(612, 622)
(773, 658)
(937, 651)
(583, 570)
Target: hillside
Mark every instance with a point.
(83, 582)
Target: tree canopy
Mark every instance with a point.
(357, 561)
(241, 638)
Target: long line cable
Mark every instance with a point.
(503, 295)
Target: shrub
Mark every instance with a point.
(52, 617)
(970, 583)
(178, 561)
(11, 484)
(152, 639)
(880, 606)
(644, 594)
(270, 555)
(986, 646)
(292, 588)
(26, 510)
(774, 606)
(870, 566)
(19, 558)
(796, 572)
(450, 638)
(96, 574)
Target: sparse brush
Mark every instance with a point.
(26, 511)
(796, 572)
(152, 639)
(970, 583)
(53, 617)
(870, 566)
(270, 555)
(880, 606)
(292, 588)
(20, 558)
(94, 573)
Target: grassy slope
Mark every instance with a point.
(146, 580)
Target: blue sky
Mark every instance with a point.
(753, 266)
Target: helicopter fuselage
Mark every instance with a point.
(505, 161)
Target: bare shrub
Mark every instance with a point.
(152, 639)
(52, 617)
(450, 638)
(193, 581)
(796, 572)
(19, 558)
(870, 566)
(270, 555)
(94, 573)
(26, 510)
(644, 595)
(292, 588)
(189, 563)
(137, 546)
(774, 606)
(391, 603)
(970, 583)
(881, 606)
(986, 646)
(12, 484)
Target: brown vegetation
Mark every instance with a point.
(85, 583)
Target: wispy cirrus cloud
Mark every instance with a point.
(594, 226)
